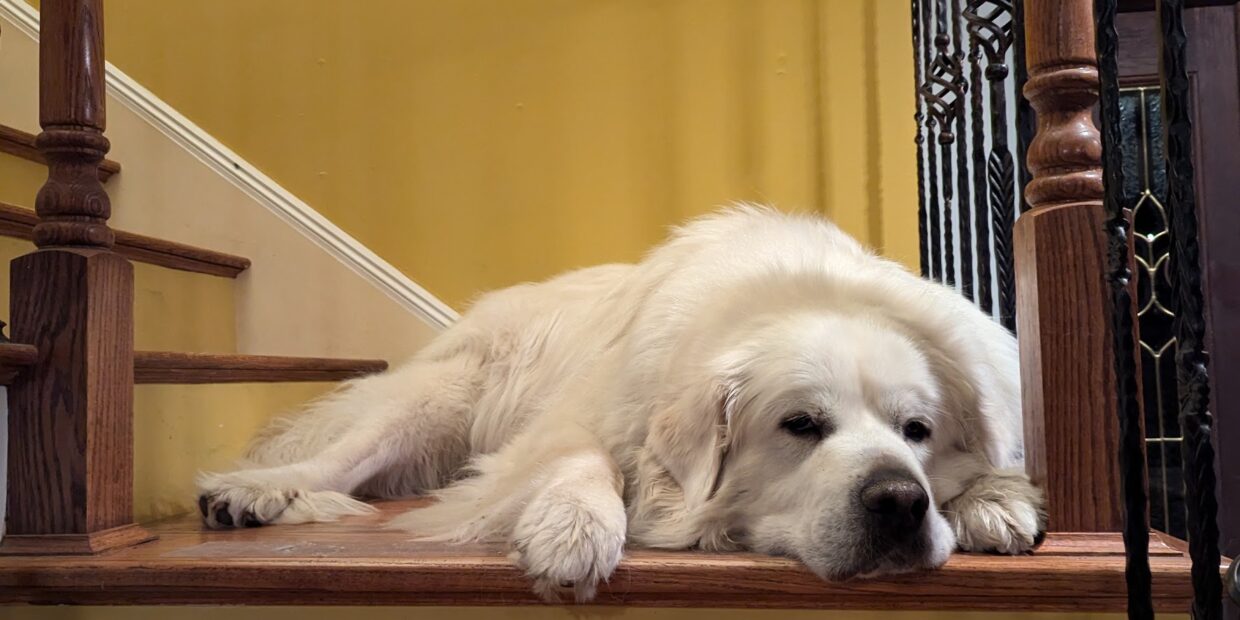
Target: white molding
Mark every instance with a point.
(257, 185)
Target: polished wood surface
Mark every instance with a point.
(359, 562)
(70, 470)
(1067, 365)
(18, 222)
(172, 367)
(71, 413)
(21, 144)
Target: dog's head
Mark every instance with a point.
(807, 434)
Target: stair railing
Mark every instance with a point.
(1071, 247)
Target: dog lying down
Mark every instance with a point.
(760, 381)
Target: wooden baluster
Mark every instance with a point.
(71, 416)
(1063, 317)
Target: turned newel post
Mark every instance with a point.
(71, 416)
(1067, 372)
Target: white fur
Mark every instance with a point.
(643, 403)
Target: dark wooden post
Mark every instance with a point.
(1067, 364)
(71, 415)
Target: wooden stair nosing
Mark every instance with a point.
(20, 222)
(21, 144)
(13, 358)
(359, 560)
(191, 368)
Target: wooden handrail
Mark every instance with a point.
(1067, 371)
(71, 413)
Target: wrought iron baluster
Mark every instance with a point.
(920, 139)
(1191, 359)
(943, 91)
(1119, 277)
(992, 22)
(1026, 119)
(965, 207)
(981, 207)
(932, 178)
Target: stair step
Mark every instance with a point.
(359, 561)
(13, 358)
(20, 222)
(169, 367)
(21, 144)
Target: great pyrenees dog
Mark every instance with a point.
(760, 381)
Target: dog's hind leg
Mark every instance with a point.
(554, 493)
(399, 433)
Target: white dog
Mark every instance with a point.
(759, 382)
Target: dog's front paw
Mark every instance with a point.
(223, 504)
(998, 513)
(242, 499)
(569, 541)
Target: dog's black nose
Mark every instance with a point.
(896, 503)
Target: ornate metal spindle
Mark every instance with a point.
(962, 163)
(981, 209)
(920, 140)
(943, 91)
(991, 23)
(1135, 495)
(932, 168)
(1191, 359)
(1026, 118)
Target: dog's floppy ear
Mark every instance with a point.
(689, 439)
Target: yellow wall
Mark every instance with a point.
(478, 143)
(20, 180)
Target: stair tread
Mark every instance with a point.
(358, 561)
(176, 367)
(19, 222)
(21, 144)
(13, 358)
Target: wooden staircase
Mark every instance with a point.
(72, 378)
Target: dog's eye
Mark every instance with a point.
(802, 425)
(916, 431)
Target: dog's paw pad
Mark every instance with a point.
(222, 516)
